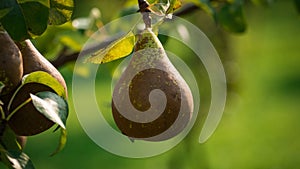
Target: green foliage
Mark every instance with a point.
(60, 11)
(29, 18)
(17, 160)
(51, 105)
(10, 151)
(231, 17)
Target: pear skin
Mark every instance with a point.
(28, 121)
(11, 67)
(151, 101)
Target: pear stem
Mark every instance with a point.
(143, 5)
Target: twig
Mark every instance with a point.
(63, 58)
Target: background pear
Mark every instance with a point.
(11, 67)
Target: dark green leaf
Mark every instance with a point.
(3, 157)
(8, 138)
(45, 79)
(297, 3)
(24, 18)
(4, 11)
(52, 106)
(62, 142)
(14, 21)
(60, 11)
(18, 160)
(36, 17)
(231, 18)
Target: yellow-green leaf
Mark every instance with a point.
(174, 4)
(120, 48)
(62, 142)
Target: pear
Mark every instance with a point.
(33, 60)
(28, 121)
(151, 101)
(11, 67)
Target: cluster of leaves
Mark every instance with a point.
(24, 19)
(27, 19)
(51, 105)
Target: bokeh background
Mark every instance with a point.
(260, 127)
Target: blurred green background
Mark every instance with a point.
(260, 126)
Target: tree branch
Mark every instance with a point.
(64, 58)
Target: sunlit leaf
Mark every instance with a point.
(174, 4)
(51, 106)
(60, 11)
(116, 50)
(62, 142)
(231, 18)
(45, 79)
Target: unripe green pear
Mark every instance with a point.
(151, 101)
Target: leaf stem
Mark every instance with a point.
(12, 98)
(18, 108)
(2, 113)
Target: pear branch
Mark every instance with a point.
(64, 58)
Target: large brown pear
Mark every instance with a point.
(151, 101)
(11, 67)
(28, 121)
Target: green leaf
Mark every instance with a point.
(25, 18)
(18, 160)
(62, 142)
(36, 17)
(174, 4)
(45, 79)
(297, 3)
(4, 11)
(120, 48)
(60, 11)
(231, 18)
(14, 21)
(52, 106)
(2, 85)
(8, 138)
